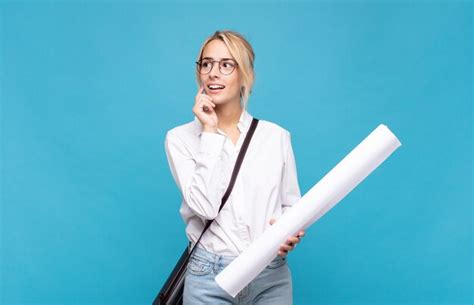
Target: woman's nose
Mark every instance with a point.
(214, 70)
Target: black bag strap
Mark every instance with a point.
(235, 172)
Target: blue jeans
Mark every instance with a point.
(272, 286)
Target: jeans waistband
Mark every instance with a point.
(223, 259)
(211, 257)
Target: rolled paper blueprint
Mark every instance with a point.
(323, 196)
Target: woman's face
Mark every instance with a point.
(217, 50)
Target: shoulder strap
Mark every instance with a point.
(235, 172)
(238, 162)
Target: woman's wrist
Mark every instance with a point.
(210, 129)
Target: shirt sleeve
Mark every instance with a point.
(290, 190)
(200, 178)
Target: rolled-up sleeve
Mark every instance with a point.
(200, 178)
(290, 190)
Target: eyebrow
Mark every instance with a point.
(225, 58)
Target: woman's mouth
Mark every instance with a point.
(215, 88)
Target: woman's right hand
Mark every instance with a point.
(208, 118)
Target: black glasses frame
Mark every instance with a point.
(198, 63)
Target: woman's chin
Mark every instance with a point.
(221, 100)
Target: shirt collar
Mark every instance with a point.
(243, 125)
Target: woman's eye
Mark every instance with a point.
(227, 64)
(205, 64)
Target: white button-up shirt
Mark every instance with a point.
(202, 163)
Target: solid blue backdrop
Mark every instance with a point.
(89, 210)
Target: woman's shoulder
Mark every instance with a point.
(273, 128)
(183, 138)
(183, 131)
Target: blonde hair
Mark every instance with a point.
(243, 54)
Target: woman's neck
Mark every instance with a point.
(228, 115)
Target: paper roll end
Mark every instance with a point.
(384, 128)
(219, 282)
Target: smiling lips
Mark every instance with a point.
(215, 88)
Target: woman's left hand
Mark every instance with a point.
(291, 242)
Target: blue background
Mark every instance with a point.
(89, 210)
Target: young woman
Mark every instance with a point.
(201, 155)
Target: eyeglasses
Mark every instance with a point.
(226, 66)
